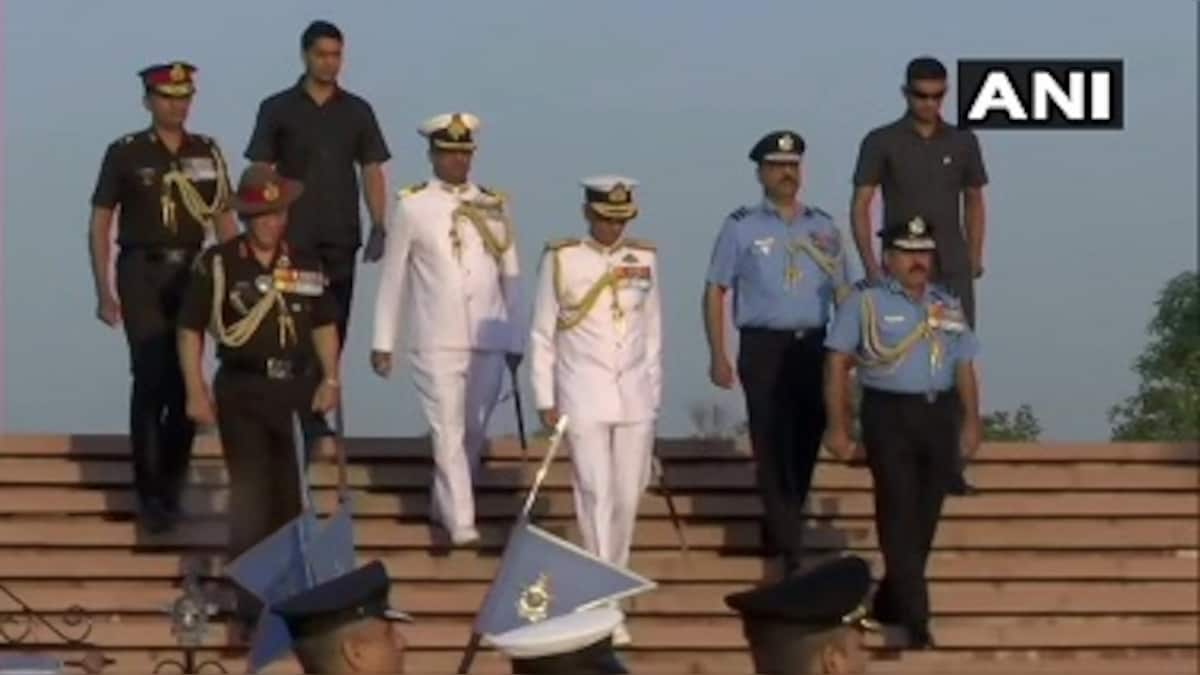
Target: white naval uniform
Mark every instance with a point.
(605, 373)
(461, 309)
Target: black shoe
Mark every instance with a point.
(959, 487)
(919, 638)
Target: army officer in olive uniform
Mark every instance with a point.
(165, 190)
(275, 328)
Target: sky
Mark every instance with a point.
(1085, 227)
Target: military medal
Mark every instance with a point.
(793, 274)
(933, 315)
(263, 283)
(168, 211)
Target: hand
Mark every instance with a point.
(201, 409)
(376, 242)
(108, 310)
(972, 437)
(381, 362)
(721, 372)
(513, 359)
(325, 449)
(325, 398)
(838, 442)
(549, 417)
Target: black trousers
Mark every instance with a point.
(911, 445)
(150, 285)
(254, 419)
(781, 376)
(339, 265)
(962, 286)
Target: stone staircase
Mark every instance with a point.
(1075, 558)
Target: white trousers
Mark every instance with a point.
(458, 390)
(611, 464)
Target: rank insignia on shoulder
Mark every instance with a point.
(817, 211)
(863, 284)
(413, 189)
(739, 213)
(641, 244)
(556, 244)
(492, 192)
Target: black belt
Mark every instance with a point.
(793, 334)
(163, 254)
(923, 397)
(272, 368)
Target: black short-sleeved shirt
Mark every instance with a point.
(924, 176)
(244, 281)
(131, 177)
(319, 144)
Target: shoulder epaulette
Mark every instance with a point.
(740, 213)
(947, 293)
(556, 244)
(641, 244)
(413, 189)
(498, 194)
(126, 139)
(819, 211)
(863, 284)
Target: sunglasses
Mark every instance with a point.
(926, 95)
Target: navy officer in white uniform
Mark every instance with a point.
(451, 261)
(596, 356)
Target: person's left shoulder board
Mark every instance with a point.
(642, 245)
(202, 265)
(818, 213)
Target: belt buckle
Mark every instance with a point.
(175, 256)
(279, 369)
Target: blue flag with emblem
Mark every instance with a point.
(543, 576)
(296, 557)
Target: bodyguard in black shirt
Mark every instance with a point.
(316, 132)
(275, 327)
(171, 190)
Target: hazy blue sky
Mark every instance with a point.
(1084, 227)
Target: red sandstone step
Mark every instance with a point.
(664, 566)
(92, 445)
(415, 504)
(692, 476)
(671, 598)
(980, 662)
(723, 633)
(855, 534)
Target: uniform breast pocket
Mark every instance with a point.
(634, 292)
(759, 256)
(894, 328)
(952, 172)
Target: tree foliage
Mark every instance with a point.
(1021, 425)
(1166, 406)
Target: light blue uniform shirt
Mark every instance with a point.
(753, 254)
(896, 316)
